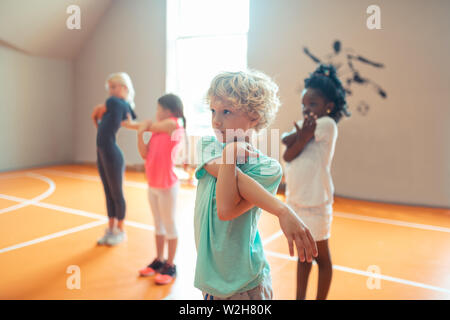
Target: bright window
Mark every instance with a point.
(204, 37)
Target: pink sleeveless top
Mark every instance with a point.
(159, 163)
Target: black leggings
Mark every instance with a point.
(111, 167)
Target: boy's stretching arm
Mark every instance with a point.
(236, 196)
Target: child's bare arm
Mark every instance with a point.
(302, 137)
(132, 125)
(227, 193)
(98, 113)
(253, 194)
(289, 139)
(142, 146)
(166, 125)
(294, 150)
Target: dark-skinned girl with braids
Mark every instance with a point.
(308, 156)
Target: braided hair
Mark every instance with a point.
(325, 80)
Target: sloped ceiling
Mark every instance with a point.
(38, 27)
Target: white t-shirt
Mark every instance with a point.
(308, 177)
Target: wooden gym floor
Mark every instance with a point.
(51, 218)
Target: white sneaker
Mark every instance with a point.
(102, 241)
(116, 237)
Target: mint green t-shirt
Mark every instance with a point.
(230, 255)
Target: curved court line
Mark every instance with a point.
(34, 200)
(365, 273)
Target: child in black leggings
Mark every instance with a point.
(111, 165)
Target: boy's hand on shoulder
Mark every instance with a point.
(296, 231)
(238, 152)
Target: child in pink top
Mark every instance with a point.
(159, 161)
(159, 154)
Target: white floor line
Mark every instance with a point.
(78, 212)
(366, 274)
(372, 219)
(335, 213)
(28, 202)
(101, 219)
(35, 201)
(390, 221)
(53, 236)
(272, 237)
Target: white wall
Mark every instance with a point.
(36, 105)
(400, 151)
(131, 38)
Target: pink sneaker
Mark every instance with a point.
(166, 275)
(152, 268)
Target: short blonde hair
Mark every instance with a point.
(124, 79)
(252, 92)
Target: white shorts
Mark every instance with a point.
(317, 219)
(163, 205)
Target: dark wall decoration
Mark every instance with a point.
(345, 60)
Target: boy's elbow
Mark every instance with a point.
(223, 214)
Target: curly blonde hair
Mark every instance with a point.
(252, 92)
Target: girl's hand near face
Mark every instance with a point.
(302, 137)
(308, 127)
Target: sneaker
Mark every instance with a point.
(102, 240)
(166, 275)
(152, 268)
(116, 237)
